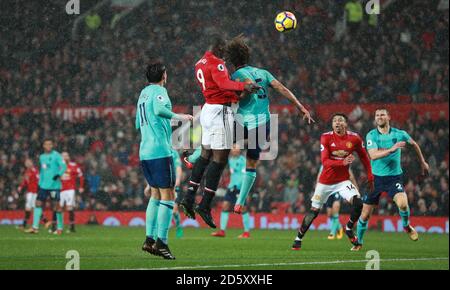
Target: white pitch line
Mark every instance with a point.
(295, 264)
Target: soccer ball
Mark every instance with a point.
(285, 21)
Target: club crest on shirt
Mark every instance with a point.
(349, 145)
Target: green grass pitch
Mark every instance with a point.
(120, 248)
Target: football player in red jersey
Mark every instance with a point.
(69, 185)
(337, 149)
(30, 183)
(217, 121)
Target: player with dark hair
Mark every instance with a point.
(253, 115)
(337, 149)
(153, 115)
(217, 121)
(385, 145)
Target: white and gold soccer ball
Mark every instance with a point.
(285, 21)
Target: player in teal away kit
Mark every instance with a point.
(236, 163)
(52, 167)
(384, 145)
(153, 115)
(253, 115)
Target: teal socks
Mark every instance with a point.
(37, 217)
(165, 213)
(405, 217)
(361, 230)
(247, 184)
(195, 155)
(59, 221)
(224, 220)
(335, 225)
(151, 218)
(177, 219)
(246, 221)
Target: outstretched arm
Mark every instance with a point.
(285, 92)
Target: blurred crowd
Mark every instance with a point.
(401, 54)
(334, 56)
(107, 150)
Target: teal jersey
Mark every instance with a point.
(254, 109)
(153, 114)
(237, 169)
(51, 164)
(391, 164)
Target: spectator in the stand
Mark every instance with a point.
(93, 180)
(355, 15)
(93, 21)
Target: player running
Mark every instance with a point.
(69, 181)
(52, 167)
(153, 115)
(385, 145)
(217, 121)
(237, 169)
(337, 149)
(30, 184)
(253, 115)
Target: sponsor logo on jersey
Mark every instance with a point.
(340, 153)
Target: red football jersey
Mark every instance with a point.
(30, 180)
(69, 178)
(334, 149)
(213, 78)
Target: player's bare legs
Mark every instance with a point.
(309, 218)
(306, 224)
(357, 205)
(212, 176)
(187, 204)
(401, 200)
